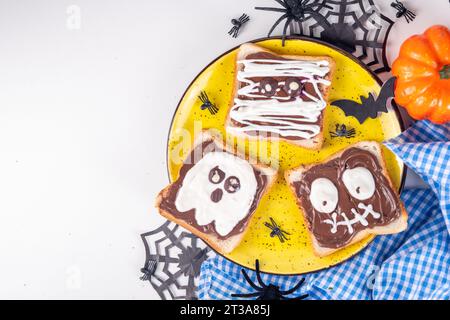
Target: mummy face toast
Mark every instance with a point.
(279, 96)
(215, 196)
(345, 196)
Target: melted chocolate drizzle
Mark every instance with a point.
(283, 93)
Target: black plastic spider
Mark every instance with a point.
(356, 26)
(237, 24)
(268, 292)
(294, 10)
(148, 270)
(403, 11)
(207, 104)
(342, 131)
(276, 230)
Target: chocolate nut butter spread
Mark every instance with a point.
(345, 195)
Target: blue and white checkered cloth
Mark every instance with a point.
(414, 264)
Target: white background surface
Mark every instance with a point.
(84, 116)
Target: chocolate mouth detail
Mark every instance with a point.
(216, 195)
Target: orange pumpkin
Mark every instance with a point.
(423, 71)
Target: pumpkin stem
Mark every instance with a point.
(445, 72)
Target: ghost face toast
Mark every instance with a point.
(347, 197)
(216, 193)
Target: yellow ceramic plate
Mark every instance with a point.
(351, 80)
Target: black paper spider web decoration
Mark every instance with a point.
(357, 26)
(173, 258)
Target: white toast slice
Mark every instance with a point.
(395, 226)
(219, 243)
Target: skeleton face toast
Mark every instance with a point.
(347, 197)
(216, 195)
(280, 96)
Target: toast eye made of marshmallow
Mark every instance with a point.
(359, 183)
(232, 184)
(293, 87)
(324, 195)
(268, 87)
(216, 175)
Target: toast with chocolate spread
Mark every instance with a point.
(280, 97)
(347, 197)
(216, 193)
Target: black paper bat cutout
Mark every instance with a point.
(370, 106)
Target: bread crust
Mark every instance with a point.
(316, 142)
(396, 226)
(220, 245)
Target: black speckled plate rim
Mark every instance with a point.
(399, 117)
